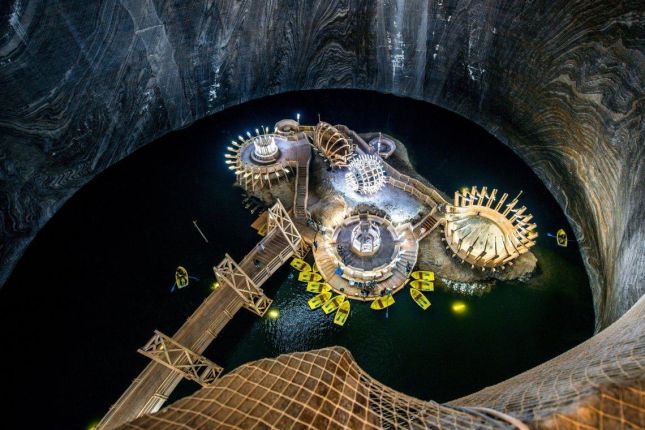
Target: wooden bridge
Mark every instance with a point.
(301, 159)
(179, 356)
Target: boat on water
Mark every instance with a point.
(382, 302)
(332, 304)
(181, 277)
(422, 285)
(262, 231)
(342, 313)
(561, 238)
(317, 301)
(318, 287)
(300, 265)
(309, 277)
(423, 275)
(420, 298)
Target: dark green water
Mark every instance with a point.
(97, 277)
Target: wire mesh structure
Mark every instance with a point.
(366, 175)
(332, 145)
(598, 384)
(323, 389)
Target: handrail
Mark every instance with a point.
(397, 178)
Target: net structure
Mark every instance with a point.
(332, 145)
(322, 389)
(598, 384)
(365, 175)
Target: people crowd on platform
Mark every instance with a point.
(366, 287)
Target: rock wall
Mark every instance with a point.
(83, 84)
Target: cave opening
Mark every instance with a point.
(114, 246)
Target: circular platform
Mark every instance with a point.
(366, 274)
(383, 146)
(287, 127)
(359, 266)
(482, 236)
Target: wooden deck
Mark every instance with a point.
(409, 251)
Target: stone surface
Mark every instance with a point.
(83, 84)
(433, 256)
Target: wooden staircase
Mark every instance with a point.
(301, 190)
(427, 224)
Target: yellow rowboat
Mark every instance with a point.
(422, 285)
(342, 313)
(317, 301)
(561, 238)
(423, 275)
(301, 265)
(262, 231)
(332, 304)
(382, 302)
(309, 277)
(318, 287)
(420, 298)
(181, 277)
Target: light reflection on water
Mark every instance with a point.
(433, 354)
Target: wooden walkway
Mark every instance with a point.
(301, 193)
(239, 287)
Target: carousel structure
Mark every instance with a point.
(484, 232)
(259, 160)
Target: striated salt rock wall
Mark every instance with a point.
(83, 84)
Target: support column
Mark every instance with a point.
(170, 353)
(229, 273)
(279, 219)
